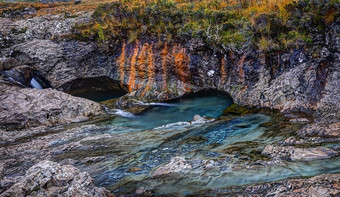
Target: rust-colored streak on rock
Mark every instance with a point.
(164, 55)
(240, 67)
(223, 72)
(141, 66)
(132, 78)
(121, 63)
(151, 69)
(181, 62)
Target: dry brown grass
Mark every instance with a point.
(52, 8)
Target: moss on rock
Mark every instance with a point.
(235, 110)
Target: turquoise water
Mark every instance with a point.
(136, 145)
(179, 110)
(195, 144)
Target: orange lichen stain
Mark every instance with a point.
(141, 66)
(181, 62)
(241, 91)
(240, 67)
(121, 62)
(223, 72)
(151, 70)
(132, 78)
(165, 57)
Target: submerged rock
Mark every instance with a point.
(236, 110)
(177, 164)
(48, 178)
(201, 120)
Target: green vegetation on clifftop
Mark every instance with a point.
(227, 24)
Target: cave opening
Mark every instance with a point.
(96, 88)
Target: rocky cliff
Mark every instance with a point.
(302, 79)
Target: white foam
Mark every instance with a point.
(120, 112)
(156, 104)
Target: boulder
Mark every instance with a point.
(48, 178)
(26, 107)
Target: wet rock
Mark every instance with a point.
(209, 164)
(322, 185)
(201, 120)
(299, 154)
(177, 164)
(24, 108)
(235, 110)
(77, 2)
(51, 179)
(140, 190)
(89, 160)
(299, 120)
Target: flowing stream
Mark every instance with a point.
(136, 146)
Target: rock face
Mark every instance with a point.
(46, 27)
(51, 179)
(25, 107)
(292, 81)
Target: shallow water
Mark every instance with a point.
(180, 110)
(138, 146)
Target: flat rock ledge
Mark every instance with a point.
(26, 108)
(48, 178)
(322, 185)
(299, 154)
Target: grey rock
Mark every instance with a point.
(25, 108)
(44, 27)
(48, 178)
(299, 154)
(177, 164)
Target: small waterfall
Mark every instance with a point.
(40, 80)
(120, 112)
(156, 104)
(35, 84)
(26, 77)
